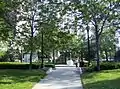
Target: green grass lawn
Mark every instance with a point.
(108, 79)
(19, 79)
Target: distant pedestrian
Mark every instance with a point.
(70, 62)
(76, 63)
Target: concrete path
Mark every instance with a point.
(61, 78)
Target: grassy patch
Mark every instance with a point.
(19, 79)
(108, 79)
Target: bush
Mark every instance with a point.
(108, 66)
(7, 65)
(90, 68)
(104, 66)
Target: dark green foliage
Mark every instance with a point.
(104, 66)
(22, 66)
(7, 57)
(4, 58)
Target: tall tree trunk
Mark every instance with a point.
(38, 54)
(42, 57)
(106, 55)
(69, 54)
(88, 45)
(21, 60)
(110, 54)
(81, 62)
(81, 57)
(65, 56)
(21, 56)
(31, 46)
(31, 40)
(31, 53)
(53, 56)
(97, 47)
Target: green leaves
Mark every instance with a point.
(2, 7)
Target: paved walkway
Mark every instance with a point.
(61, 78)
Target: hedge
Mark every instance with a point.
(104, 66)
(22, 66)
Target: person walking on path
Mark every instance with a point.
(76, 63)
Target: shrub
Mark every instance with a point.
(104, 66)
(108, 66)
(90, 68)
(7, 65)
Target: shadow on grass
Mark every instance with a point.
(20, 76)
(5, 83)
(106, 84)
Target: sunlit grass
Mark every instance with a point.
(19, 79)
(108, 79)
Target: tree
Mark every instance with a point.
(26, 25)
(98, 14)
(35, 16)
(4, 32)
(108, 43)
(8, 23)
(46, 39)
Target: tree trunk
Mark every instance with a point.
(110, 54)
(106, 55)
(42, 52)
(53, 56)
(31, 53)
(31, 48)
(81, 57)
(20, 56)
(81, 62)
(65, 57)
(69, 54)
(88, 45)
(38, 54)
(49, 60)
(97, 47)
(31, 42)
